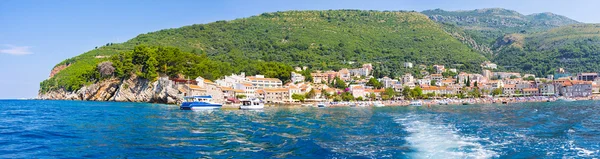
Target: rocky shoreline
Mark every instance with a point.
(133, 89)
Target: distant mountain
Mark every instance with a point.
(574, 47)
(321, 39)
(485, 26)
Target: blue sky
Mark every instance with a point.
(36, 35)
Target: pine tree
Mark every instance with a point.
(150, 72)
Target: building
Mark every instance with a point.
(276, 95)
(259, 81)
(509, 89)
(408, 65)
(489, 65)
(296, 77)
(587, 76)
(246, 89)
(232, 80)
(576, 88)
(547, 89)
(531, 91)
(453, 70)
(344, 74)
(358, 91)
(205, 87)
(408, 79)
(439, 68)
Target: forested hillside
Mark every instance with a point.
(485, 26)
(575, 48)
(319, 39)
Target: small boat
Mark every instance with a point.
(352, 104)
(252, 104)
(443, 102)
(321, 105)
(416, 103)
(378, 104)
(199, 102)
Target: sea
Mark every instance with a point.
(82, 129)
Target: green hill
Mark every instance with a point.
(485, 26)
(574, 47)
(320, 39)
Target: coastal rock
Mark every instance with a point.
(133, 89)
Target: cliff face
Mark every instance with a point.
(133, 89)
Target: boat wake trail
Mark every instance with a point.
(433, 139)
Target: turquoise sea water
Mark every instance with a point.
(72, 129)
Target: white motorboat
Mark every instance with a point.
(416, 103)
(321, 105)
(199, 102)
(252, 104)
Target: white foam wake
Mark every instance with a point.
(441, 141)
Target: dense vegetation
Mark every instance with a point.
(150, 62)
(484, 26)
(318, 39)
(575, 48)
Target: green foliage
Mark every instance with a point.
(372, 96)
(373, 82)
(298, 97)
(339, 83)
(347, 96)
(497, 91)
(575, 48)
(389, 93)
(310, 94)
(359, 99)
(240, 96)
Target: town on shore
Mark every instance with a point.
(433, 85)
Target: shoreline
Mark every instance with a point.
(388, 103)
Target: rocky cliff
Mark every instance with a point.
(133, 89)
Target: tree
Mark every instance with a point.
(151, 71)
(106, 68)
(373, 82)
(298, 97)
(475, 84)
(406, 92)
(347, 96)
(496, 92)
(359, 98)
(432, 83)
(240, 96)
(417, 92)
(339, 83)
(310, 94)
(324, 94)
(468, 83)
(372, 96)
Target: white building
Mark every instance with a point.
(261, 82)
(231, 81)
(296, 77)
(408, 65)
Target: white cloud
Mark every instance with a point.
(15, 50)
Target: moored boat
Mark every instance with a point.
(199, 102)
(321, 105)
(416, 103)
(252, 104)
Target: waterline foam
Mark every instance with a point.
(437, 140)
